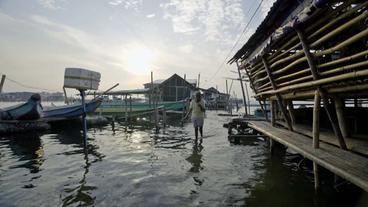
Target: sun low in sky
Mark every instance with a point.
(140, 61)
(122, 39)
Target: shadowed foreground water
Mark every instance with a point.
(141, 168)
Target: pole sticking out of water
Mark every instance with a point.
(2, 82)
(83, 94)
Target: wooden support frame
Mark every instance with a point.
(273, 113)
(321, 91)
(278, 96)
(339, 106)
(242, 87)
(259, 101)
(316, 119)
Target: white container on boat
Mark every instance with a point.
(81, 79)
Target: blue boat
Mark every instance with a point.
(29, 110)
(70, 111)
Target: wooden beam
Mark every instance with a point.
(291, 111)
(340, 105)
(273, 113)
(278, 96)
(242, 87)
(259, 101)
(322, 92)
(316, 119)
(2, 83)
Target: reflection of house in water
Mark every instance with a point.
(215, 99)
(174, 88)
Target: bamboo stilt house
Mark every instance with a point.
(316, 51)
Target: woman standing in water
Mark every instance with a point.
(197, 108)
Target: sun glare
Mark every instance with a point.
(140, 60)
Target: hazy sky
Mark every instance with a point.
(122, 39)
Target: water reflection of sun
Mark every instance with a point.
(140, 60)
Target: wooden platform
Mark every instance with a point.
(345, 164)
(353, 144)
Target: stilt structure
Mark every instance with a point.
(315, 52)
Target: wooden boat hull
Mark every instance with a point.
(136, 107)
(29, 110)
(70, 111)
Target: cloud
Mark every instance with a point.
(186, 48)
(150, 15)
(217, 19)
(49, 4)
(128, 4)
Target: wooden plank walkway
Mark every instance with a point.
(345, 164)
(353, 144)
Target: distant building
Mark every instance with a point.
(174, 88)
(215, 99)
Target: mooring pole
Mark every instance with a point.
(83, 94)
(2, 83)
(242, 87)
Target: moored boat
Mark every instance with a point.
(29, 110)
(70, 111)
(118, 106)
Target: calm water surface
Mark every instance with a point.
(140, 168)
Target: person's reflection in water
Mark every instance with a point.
(196, 157)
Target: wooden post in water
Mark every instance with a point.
(242, 87)
(151, 91)
(164, 117)
(126, 112)
(321, 91)
(273, 113)
(316, 130)
(65, 97)
(199, 79)
(340, 105)
(2, 83)
(278, 96)
(130, 107)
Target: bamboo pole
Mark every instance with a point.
(65, 97)
(345, 59)
(151, 91)
(273, 113)
(316, 175)
(339, 46)
(259, 101)
(199, 78)
(319, 82)
(323, 93)
(352, 90)
(279, 99)
(316, 119)
(126, 108)
(130, 105)
(242, 87)
(291, 111)
(2, 83)
(339, 105)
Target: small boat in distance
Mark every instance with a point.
(29, 110)
(70, 111)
